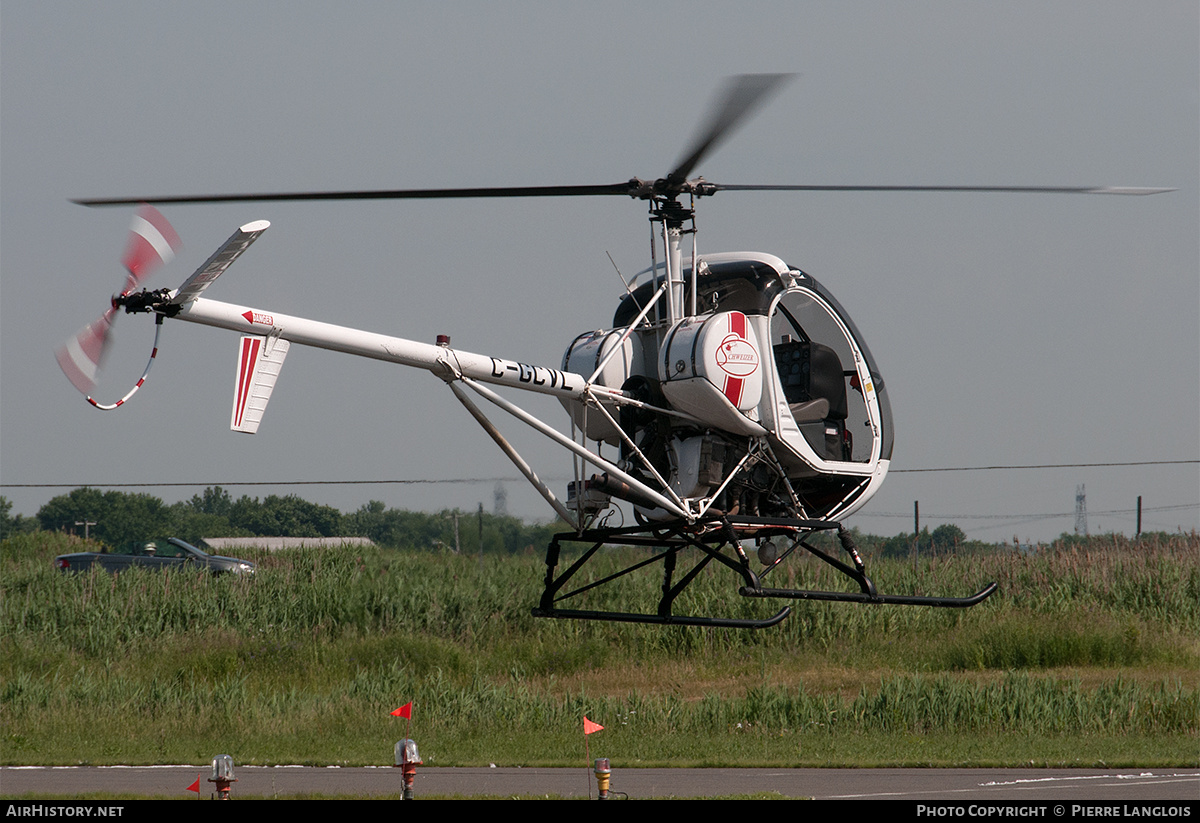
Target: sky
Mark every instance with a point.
(1011, 330)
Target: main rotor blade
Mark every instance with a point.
(625, 189)
(630, 188)
(743, 94)
(715, 187)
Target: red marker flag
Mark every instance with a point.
(195, 787)
(404, 711)
(589, 727)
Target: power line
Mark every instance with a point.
(1046, 466)
(1044, 515)
(468, 480)
(979, 522)
(232, 483)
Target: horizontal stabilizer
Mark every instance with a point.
(259, 362)
(221, 260)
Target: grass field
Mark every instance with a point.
(1088, 655)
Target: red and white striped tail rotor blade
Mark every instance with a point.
(81, 356)
(152, 242)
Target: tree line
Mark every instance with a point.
(116, 518)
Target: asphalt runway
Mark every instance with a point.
(958, 786)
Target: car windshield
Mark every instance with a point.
(158, 547)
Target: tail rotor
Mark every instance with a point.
(152, 243)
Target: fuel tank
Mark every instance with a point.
(711, 368)
(583, 356)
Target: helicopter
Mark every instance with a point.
(732, 403)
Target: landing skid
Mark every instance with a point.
(668, 620)
(885, 599)
(716, 539)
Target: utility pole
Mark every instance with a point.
(87, 523)
(916, 530)
(454, 516)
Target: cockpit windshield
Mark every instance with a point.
(820, 359)
(816, 327)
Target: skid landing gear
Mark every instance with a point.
(716, 540)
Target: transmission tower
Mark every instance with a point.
(500, 501)
(1081, 510)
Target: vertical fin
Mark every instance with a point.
(259, 361)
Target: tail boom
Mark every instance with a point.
(446, 363)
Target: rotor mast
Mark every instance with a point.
(671, 218)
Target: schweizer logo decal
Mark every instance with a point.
(737, 357)
(258, 317)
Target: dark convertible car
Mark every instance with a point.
(171, 553)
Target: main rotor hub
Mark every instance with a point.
(669, 188)
(674, 213)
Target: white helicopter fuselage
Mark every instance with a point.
(741, 401)
(773, 357)
(693, 400)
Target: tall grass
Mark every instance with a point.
(336, 590)
(303, 662)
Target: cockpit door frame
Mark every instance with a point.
(774, 407)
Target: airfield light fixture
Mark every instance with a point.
(407, 759)
(603, 774)
(222, 775)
